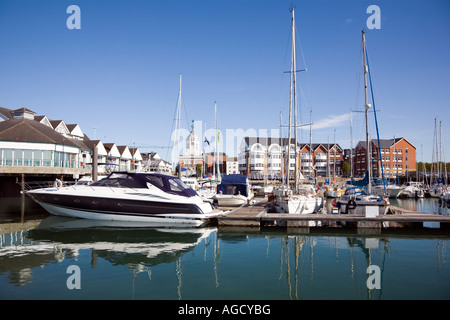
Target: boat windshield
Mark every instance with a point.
(356, 191)
(119, 180)
(163, 182)
(169, 184)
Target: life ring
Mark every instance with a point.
(351, 204)
(58, 183)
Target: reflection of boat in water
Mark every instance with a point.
(117, 242)
(133, 197)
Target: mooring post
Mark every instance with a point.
(22, 195)
(95, 165)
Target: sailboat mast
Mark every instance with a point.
(351, 147)
(288, 165)
(334, 158)
(217, 141)
(179, 129)
(366, 106)
(310, 145)
(294, 84)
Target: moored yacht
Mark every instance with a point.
(357, 201)
(303, 201)
(124, 196)
(233, 191)
(389, 189)
(412, 190)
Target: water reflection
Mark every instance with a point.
(424, 205)
(334, 264)
(59, 238)
(210, 263)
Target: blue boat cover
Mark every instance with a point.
(233, 184)
(360, 183)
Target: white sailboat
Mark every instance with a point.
(303, 198)
(361, 201)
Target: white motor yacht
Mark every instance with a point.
(123, 196)
(391, 190)
(412, 190)
(233, 191)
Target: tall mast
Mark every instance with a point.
(179, 129)
(351, 147)
(334, 160)
(366, 106)
(295, 99)
(288, 166)
(310, 144)
(217, 141)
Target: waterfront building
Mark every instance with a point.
(125, 158)
(152, 162)
(36, 145)
(88, 157)
(210, 161)
(232, 165)
(29, 146)
(397, 155)
(75, 131)
(261, 157)
(136, 161)
(192, 160)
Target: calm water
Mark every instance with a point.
(75, 259)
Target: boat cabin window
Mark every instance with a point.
(156, 181)
(177, 185)
(118, 180)
(169, 184)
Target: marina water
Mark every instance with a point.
(59, 258)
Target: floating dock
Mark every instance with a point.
(258, 215)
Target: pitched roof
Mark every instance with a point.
(25, 130)
(283, 141)
(6, 112)
(384, 143)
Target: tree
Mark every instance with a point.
(346, 168)
(198, 169)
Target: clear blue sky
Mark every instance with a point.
(120, 71)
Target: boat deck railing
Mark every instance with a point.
(32, 185)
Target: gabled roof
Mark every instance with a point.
(75, 130)
(25, 130)
(111, 149)
(283, 142)
(384, 143)
(43, 120)
(91, 144)
(124, 152)
(135, 153)
(5, 113)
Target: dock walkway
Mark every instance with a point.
(257, 215)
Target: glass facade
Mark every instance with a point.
(37, 158)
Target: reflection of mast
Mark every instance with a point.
(285, 252)
(216, 258)
(179, 273)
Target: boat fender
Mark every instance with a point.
(333, 203)
(351, 204)
(58, 183)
